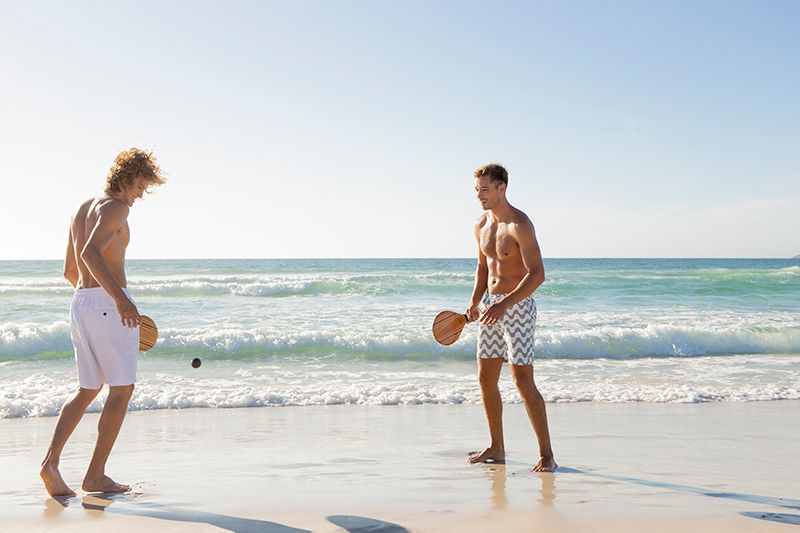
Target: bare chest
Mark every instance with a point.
(497, 241)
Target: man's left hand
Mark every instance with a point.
(494, 312)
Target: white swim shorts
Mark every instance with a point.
(105, 350)
(511, 337)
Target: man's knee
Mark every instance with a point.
(488, 378)
(88, 394)
(121, 391)
(523, 377)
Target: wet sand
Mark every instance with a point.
(623, 467)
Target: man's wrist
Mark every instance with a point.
(122, 298)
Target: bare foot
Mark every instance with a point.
(489, 455)
(545, 464)
(54, 483)
(104, 484)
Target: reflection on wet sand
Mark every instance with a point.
(548, 491)
(53, 507)
(96, 503)
(498, 476)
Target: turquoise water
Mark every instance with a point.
(280, 332)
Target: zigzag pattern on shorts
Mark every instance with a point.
(512, 337)
(493, 347)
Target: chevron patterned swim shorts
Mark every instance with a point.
(512, 336)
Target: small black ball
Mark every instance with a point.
(196, 362)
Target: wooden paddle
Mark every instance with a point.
(447, 326)
(148, 333)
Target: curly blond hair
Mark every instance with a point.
(131, 163)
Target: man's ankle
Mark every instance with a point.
(50, 463)
(93, 476)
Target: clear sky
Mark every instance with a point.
(352, 128)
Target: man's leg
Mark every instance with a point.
(71, 414)
(534, 404)
(488, 377)
(108, 428)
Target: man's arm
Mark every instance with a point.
(532, 260)
(111, 218)
(70, 263)
(481, 278)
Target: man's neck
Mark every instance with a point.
(502, 211)
(114, 195)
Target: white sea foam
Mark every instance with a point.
(288, 332)
(171, 384)
(29, 339)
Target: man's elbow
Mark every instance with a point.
(86, 255)
(71, 275)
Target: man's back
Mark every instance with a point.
(93, 212)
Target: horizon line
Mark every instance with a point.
(404, 258)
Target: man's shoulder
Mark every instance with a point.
(84, 209)
(521, 220)
(111, 207)
(86, 204)
(481, 220)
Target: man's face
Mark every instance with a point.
(487, 191)
(135, 191)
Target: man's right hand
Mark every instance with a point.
(473, 313)
(128, 313)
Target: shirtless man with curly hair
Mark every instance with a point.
(103, 317)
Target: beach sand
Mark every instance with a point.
(624, 467)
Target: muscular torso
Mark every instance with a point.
(83, 222)
(503, 257)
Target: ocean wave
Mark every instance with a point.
(733, 284)
(258, 285)
(39, 391)
(32, 341)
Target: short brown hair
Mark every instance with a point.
(494, 171)
(131, 163)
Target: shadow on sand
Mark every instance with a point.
(102, 502)
(361, 524)
(783, 518)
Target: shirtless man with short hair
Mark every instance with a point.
(510, 268)
(103, 317)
